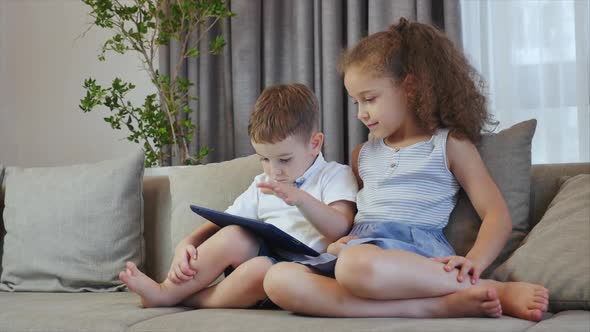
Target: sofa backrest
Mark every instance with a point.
(545, 184)
(156, 193)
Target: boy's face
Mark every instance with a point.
(287, 160)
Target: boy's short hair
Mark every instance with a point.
(284, 110)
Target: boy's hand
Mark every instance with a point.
(335, 247)
(181, 270)
(287, 192)
(467, 267)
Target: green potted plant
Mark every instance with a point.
(163, 123)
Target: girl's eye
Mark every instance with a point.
(285, 160)
(370, 100)
(263, 159)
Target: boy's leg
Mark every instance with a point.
(395, 274)
(241, 289)
(298, 288)
(230, 246)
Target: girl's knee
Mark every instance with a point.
(256, 268)
(284, 283)
(357, 266)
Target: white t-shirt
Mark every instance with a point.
(328, 182)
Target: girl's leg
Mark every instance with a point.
(298, 288)
(230, 246)
(241, 289)
(395, 274)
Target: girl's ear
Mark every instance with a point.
(410, 86)
(316, 142)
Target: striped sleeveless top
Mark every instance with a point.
(410, 185)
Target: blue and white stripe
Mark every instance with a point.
(411, 185)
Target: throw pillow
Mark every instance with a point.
(71, 229)
(507, 156)
(555, 253)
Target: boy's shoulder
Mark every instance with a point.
(333, 170)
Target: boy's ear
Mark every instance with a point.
(316, 142)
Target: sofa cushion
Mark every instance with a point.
(565, 321)
(214, 185)
(73, 312)
(72, 228)
(555, 253)
(507, 156)
(228, 320)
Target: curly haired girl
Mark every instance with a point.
(424, 106)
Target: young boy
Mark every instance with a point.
(299, 192)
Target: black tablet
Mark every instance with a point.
(273, 236)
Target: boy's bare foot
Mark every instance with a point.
(149, 290)
(478, 301)
(523, 300)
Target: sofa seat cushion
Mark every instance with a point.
(565, 321)
(212, 320)
(79, 312)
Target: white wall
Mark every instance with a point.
(43, 63)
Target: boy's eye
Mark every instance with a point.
(263, 159)
(285, 160)
(355, 102)
(368, 100)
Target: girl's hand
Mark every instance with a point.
(335, 247)
(181, 270)
(288, 193)
(465, 265)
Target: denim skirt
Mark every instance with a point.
(424, 241)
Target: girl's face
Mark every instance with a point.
(382, 105)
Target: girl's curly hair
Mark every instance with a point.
(444, 91)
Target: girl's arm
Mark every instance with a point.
(355, 165)
(466, 164)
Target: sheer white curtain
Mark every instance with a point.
(534, 57)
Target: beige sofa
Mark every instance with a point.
(120, 311)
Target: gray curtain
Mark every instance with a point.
(282, 41)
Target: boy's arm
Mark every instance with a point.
(332, 220)
(467, 166)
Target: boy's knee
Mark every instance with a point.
(236, 237)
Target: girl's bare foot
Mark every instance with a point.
(522, 299)
(149, 290)
(478, 301)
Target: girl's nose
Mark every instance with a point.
(362, 115)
